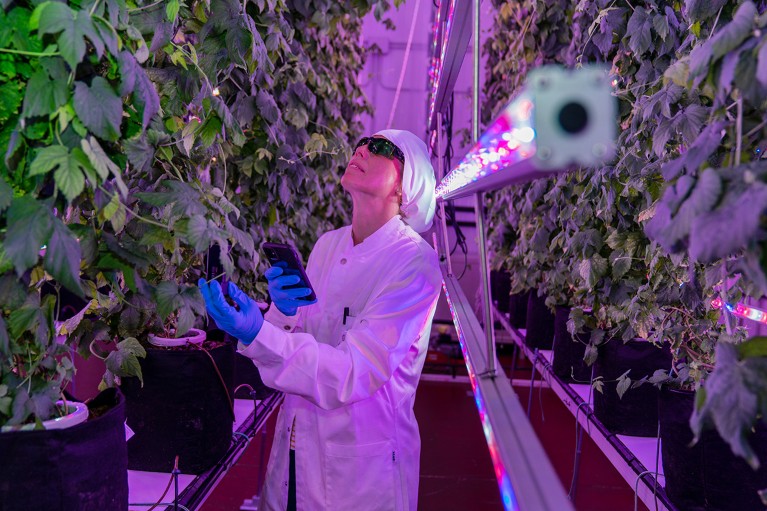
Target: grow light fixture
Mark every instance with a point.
(449, 46)
(743, 311)
(561, 118)
(501, 475)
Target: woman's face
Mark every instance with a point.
(372, 174)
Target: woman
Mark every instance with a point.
(349, 364)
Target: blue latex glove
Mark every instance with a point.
(287, 300)
(244, 324)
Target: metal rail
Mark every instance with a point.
(195, 494)
(625, 461)
(526, 478)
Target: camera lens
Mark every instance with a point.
(573, 118)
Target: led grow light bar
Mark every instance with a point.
(560, 119)
(501, 475)
(448, 50)
(525, 476)
(743, 311)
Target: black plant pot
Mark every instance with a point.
(635, 414)
(568, 362)
(518, 309)
(500, 288)
(183, 409)
(706, 476)
(539, 323)
(81, 468)
(246, 373)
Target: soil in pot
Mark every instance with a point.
(80, 468)
(539, 323)
(183, 408)
(635, 414)
(569, 350)
(706, 476)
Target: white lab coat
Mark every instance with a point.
(351, 388)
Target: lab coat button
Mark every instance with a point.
(286, 327)
(343, 260)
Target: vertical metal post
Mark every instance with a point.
(441, 174)
(487, 303)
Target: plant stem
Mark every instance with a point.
(739, 131)
(178, 172)
(143, 219)
(217, 276)
(716, 21)
(30, 53)
(756, 128)
(723, 297)
(223, 160)
(188, 56)
(136, 9)
(93, 352)
(109, 25)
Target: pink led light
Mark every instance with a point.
(501, 475)
(742, 310)
(510, 139)
(436, 71)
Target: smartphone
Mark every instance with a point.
(285, 256)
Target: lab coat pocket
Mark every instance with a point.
(360, 477)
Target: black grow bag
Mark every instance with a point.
(81, 468)
(500, 288)
(568, 362)
(246, 373)
(182, 409)
(539, 323)
(635, 414)
(518, 309)
(706, 476)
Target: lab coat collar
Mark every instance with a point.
(379, 238)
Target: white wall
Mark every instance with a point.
(379, 82)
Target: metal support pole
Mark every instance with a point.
(479, 207)
(441, 174)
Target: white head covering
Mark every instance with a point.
(418, 181)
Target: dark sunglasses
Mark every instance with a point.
(382, 147)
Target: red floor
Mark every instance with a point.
(456, 472)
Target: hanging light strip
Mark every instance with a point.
(560, 119)
(508, 141)
(453, 35)
(743, 311)
(525, 476)
(504, 483)
(436, 58)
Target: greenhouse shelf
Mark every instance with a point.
(145, 488)
(636, 459)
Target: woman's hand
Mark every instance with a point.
(244, 324)
(287, 301)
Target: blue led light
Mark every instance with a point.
(501, 475)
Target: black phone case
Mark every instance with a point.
(281, 253)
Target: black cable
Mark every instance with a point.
(460, 238)
(465, 263)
